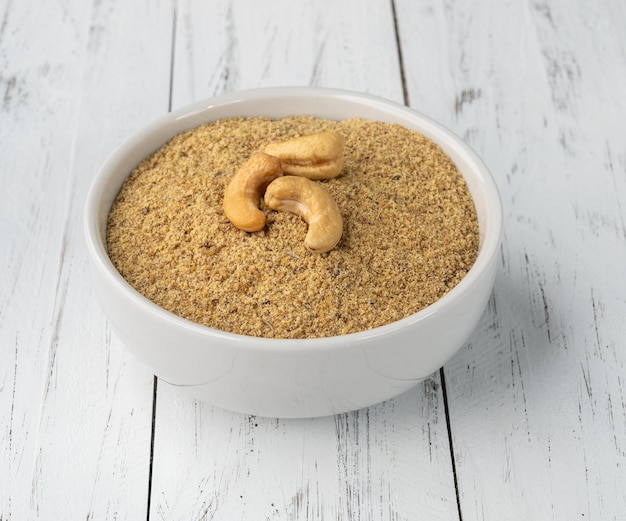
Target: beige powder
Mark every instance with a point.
(410, 232)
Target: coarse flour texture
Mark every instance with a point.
(410, 232)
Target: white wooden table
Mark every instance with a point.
(527, 422)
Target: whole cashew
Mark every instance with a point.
(242, 195)
(313, 203)
(316, 156)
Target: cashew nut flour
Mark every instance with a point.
(410, 232)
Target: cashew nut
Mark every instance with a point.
(242, 195)
(312, 202)
(316, 156)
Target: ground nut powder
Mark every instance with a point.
(410, 232)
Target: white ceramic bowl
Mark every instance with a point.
(303, 377)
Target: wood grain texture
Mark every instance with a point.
(75, 411)
(387, 462)
(537, 398)
(226, 45)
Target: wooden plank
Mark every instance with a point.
(537, 398)
(75, 410)
(386, 462)
(224, 46)
(390, 461)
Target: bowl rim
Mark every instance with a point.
(100, 260)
